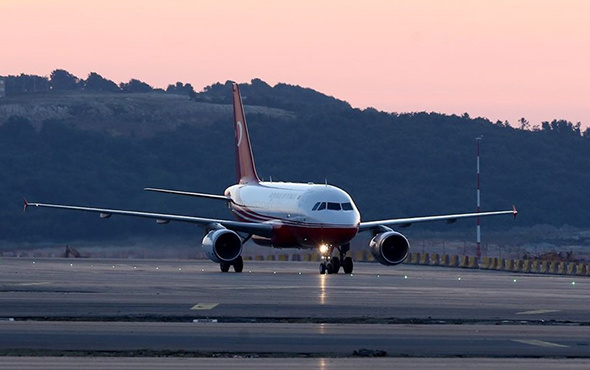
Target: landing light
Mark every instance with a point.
(323, 249)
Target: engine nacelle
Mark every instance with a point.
(390, 248)
(222, 245)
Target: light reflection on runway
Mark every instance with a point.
(322, 285)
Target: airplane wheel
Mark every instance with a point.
(335, 265)
(322, 268)
(329, 268)
(224, 266)
(347, 265)
(238, 264)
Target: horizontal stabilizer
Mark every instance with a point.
(191, 194)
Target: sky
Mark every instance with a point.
(500, 59)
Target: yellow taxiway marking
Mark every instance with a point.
(536, 312)
(539, 343)
(204, 306)
(32, 284)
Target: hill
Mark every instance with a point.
(102, 148)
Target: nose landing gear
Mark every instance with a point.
(331, 265)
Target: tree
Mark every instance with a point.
(182, 89)
(562, 126)
(524, 124)
(25, 84)
(135, 86)
(96, 82)
(62, 80)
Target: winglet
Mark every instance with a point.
(26, 204)
(514, 211)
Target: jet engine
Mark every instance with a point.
(222, 245)
(389, 248)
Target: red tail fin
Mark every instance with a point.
(246, 171)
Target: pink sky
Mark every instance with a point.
(500, 59)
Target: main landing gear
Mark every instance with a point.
(331, 265)
(238, 265)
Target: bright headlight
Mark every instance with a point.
(323, 249)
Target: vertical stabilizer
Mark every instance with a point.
(245, 169)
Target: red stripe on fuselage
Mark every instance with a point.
(292, 234)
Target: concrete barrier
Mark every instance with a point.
(454, 262)
(410, 259)
(508, 264)
(415, 258)
(500, 263)
(283, 257)
(435, 260)
(424, 259)
(444, 260)
(359, 256)
(271, 257)
(485, 263)
(296, 257)
(553, 267)
(472, 263)
(526, 266)
(463, 261)
(582, 269)
(259, 258)
(536, 266)
(572, 268)
(544, 267)
(517, 266)
(562, 268)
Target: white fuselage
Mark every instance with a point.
(308, 213)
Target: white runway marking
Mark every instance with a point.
(536, 312)
(33, 284)
(539, 343)
(204, 306)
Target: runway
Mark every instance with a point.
(145, 308)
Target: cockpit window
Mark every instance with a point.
(334, 206)
(322, 206)
(347, 206)
(316, 206)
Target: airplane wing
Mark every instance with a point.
(201, 195)
(405, 222)
(262, 229)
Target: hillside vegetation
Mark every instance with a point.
(101, 148)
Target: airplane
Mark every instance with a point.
(312, 216)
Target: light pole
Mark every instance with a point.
(477, 141)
